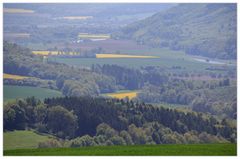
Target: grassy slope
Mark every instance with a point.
(22, 139)
(12, 92)
(147, 150)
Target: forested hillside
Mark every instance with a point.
(198, 29)
(70, 80)
(91, 121)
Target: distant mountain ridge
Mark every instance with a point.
(199, 29)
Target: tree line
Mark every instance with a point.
(114, 122)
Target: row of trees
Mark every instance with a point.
(34, 82)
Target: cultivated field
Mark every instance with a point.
(47, 53)
(122, 56)
(78, 17)
(16, 10)
(93, 36)
(122, 94)
(167, 59)
(139, 150)
(16, 35)
(13, 92)
(108, 45)
(22, 139)
(15, 77)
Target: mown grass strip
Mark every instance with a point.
(139, 150)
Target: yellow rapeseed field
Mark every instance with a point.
(15, 77)
(93, 36)
(16, 10)
(121, 95)
(45, 53)
(122, 56)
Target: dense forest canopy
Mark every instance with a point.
(84, 120)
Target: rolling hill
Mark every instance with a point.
(198, 29)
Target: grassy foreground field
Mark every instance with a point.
(22, 139)
(13, 92)
(145, 150)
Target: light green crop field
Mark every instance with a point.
(12, 92)
(22, 139)
(139, 150)
(166, 58)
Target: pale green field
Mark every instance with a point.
(12, 92)
(167, 58)
(22, 139)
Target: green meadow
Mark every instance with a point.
(12, 92)
(22, 139)
(139, 150)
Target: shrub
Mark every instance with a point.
(85, 140)
(49, 144)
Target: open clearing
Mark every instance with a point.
(12, 92)
(15, 77)
(138, 150)
(122, 56)
(16, 10)
(122, 94)
(22, 139)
